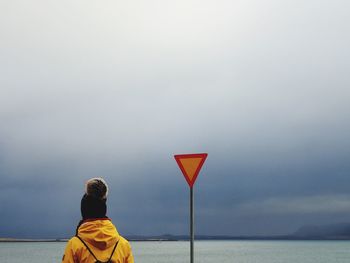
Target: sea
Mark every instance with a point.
(205, 252)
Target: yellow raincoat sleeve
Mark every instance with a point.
(130, 257)
(69, 255)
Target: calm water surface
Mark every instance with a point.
(205, 252)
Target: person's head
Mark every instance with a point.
(93, 203)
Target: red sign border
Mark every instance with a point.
(186, 156)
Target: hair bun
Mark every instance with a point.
(97, 188)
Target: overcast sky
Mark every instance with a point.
(116, 88)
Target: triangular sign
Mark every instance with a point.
(190, 165)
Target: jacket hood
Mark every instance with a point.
(100, 233)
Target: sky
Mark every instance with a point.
(114, 89)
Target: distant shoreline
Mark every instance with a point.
(199, 238)
(23, 240)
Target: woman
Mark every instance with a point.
(96, 239)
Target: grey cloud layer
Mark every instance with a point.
(114, 89)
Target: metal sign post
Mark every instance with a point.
(192, 224)
(190, 165)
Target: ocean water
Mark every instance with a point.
(205, 252)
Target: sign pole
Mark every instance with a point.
(192, 224)
(190, 165)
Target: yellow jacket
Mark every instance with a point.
(100, 235)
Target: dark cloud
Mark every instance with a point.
(115, 89)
